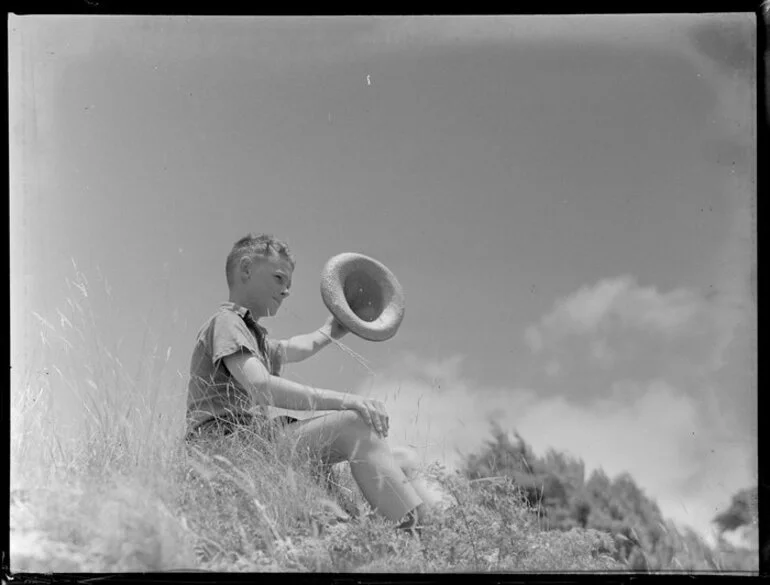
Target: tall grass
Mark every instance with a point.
(102, 440)
(121, 419)
(108, 484)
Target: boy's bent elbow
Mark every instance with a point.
(261, 394)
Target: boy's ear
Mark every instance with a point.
(245, 266)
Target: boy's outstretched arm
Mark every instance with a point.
(301, 347)
(269, 390)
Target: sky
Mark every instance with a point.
(568, 202)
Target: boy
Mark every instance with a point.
(234, 375)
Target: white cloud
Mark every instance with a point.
(587, 308)
(656, 432)
(616, 323)
(590, 309)
(616, 329)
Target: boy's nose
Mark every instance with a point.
(285, 293)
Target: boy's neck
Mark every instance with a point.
(236, 298)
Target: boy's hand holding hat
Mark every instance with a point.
(333, 328)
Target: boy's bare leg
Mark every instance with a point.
(345, 436)
(408, 462)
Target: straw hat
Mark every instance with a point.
(363, 295)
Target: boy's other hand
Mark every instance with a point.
(374, 413)
(334, 328)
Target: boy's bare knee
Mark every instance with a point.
(349, 417)
(355, 436)
(355, 424)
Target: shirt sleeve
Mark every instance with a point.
(229, 334)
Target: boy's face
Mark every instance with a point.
(266, 283)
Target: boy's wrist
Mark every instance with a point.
(348, 400)
(326, 335)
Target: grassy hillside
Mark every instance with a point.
(200, 511)
(124, 493)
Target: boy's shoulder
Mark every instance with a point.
(231, 308)
(225, 312)
(232, 313)
(228, 309)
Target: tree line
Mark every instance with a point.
(557, 490)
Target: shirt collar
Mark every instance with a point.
(243, 313)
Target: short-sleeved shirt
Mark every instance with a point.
(212, 391)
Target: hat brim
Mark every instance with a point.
(363, 295)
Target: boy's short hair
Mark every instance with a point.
(256, 245)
